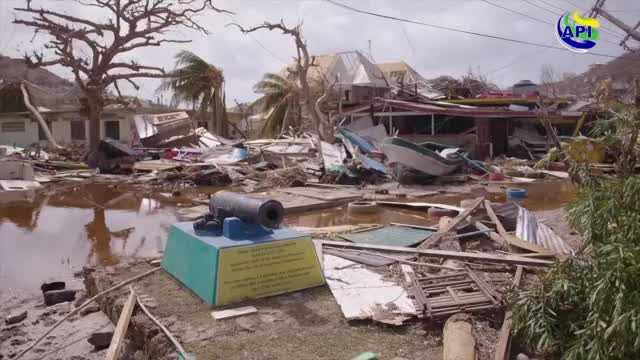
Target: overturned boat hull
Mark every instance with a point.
(402, 152)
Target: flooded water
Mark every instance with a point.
(541, 196)
(63, 230)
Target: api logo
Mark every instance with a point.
(577, 33)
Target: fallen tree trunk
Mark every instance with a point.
(34, 111)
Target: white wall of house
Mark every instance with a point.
(61, 131)
(13, 133)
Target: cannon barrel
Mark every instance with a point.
(253, 210)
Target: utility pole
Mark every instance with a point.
(630, 31)
(623, 43)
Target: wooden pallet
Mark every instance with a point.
(443, 295)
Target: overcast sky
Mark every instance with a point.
(327, 28)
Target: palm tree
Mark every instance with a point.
(280, 100)
(202, 84)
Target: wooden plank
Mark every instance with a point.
(420, 205)
(503, 346)
(494, 218)
(484, 287)
(433, 228)
(518, 277)
(359, 256)
(407, 271)
(492, 234)
(457, 255)
(558, 174)
(230, 313)
(324, 194)
(458, 219)
(334, 229)
(121, 328)
(436, 238)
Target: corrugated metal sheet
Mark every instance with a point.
(528, 228)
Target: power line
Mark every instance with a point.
(541, 7)
(530, 2)
(581, 7)
(261, 44)
(535, 18)
(489, 36)
(552, 5)
(518, 12)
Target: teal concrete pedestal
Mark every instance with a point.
(222, 270)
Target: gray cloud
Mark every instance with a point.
(330, 29)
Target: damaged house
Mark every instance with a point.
(61, 109)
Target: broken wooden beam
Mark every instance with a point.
(492, 234)
(503, 346)
(494, 218)
(436, 238)
(457, 255)
(121, 328)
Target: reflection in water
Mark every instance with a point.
(58, 233)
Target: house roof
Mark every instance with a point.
(16, 70)
(440, 109)
(58, 100)
(392, 69)
(45, 99)
(349, 68)
(401, 74)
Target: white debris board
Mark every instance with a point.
(229, 313)
(364, 294)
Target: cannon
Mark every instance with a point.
(239, 251)
(252, 211)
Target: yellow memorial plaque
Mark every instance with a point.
(255, 271)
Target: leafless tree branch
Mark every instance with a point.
(129, 25)
(303, 63)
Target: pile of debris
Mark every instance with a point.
(466, 265)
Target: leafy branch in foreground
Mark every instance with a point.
(588, 308)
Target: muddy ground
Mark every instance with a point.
(69, 341)
(303, 325)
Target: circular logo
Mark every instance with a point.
(577, 33)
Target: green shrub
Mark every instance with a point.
(588, 307)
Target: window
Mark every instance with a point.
(77, 130)
(347, 95)
(13, 126)
(41, 134)
(112, 129)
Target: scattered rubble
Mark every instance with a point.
(100, 340)
(15, 318)
(54, 297)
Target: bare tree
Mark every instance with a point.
(303, 63)
(477, 83)
(549, 80)
(94, 50)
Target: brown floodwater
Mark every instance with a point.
(71, 226)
